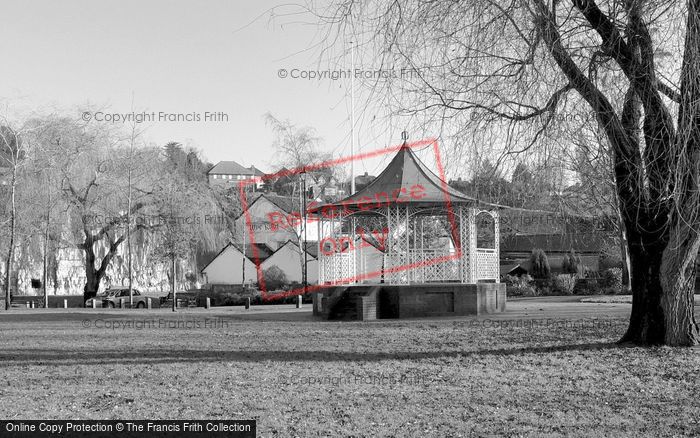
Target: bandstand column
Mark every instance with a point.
(463, 245)
(319, 236)
(496, 240)
(353, 245)
(471, 223)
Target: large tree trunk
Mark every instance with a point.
(678, 284)
(646, 324)
(93, 275)
(663, 286)
(92, 283)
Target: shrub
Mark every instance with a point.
(564, 284)
(229, 299)
(521, 291)
(274, 278)
(587, 286)
(256, 298)
(540, 264)
(611, 280)
(572, 263)
(520, 286)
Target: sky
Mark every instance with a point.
(181, 59)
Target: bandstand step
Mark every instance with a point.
(350, 303)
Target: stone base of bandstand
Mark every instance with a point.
(384, 301)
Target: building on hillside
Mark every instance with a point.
(230, 173)
(362, 181)
(274, 220)
(319, 184)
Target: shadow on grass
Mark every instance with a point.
(154, 356)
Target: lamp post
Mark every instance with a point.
(304, 278)
(352, 116)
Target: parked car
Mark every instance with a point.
(98, 298)
(111, 298)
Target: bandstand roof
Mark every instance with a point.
(405, 180)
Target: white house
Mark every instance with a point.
(228, 267)
(289, 259)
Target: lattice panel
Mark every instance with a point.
(336, 267)
(433, 272)
(397, 243)
(487, 264)
(464, 240)
(396, 260)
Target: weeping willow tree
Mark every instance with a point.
(518, 74)
(186, 217)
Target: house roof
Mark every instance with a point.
(233, 168)
(559, 242)
(285, 203)
(514, 269)
(311, 248)
(404, 172)
(218, 254)
(264, 252)
(256, 171)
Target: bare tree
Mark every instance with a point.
(12, 156)
(522, 64)
(44, 193)
(297, 148)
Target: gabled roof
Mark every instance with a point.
(256, 171)
(404, 172)
(233, 168)
(311, 248)
(264, 252)
(284, 203)
(218, 254)
(519, 268)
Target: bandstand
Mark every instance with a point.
(408, 245)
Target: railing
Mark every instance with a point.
(336, 267)
(427, 269)
(487, 264)
(419, 263)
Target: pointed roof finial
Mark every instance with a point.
(404, 136)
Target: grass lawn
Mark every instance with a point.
(618, 299)
(511, 375)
